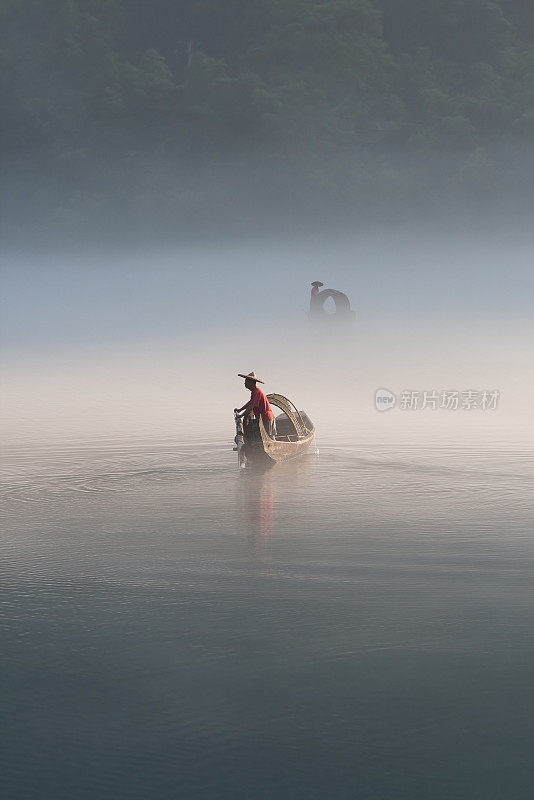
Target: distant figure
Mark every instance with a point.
(317, 305)
(315, 291)
(258, 405)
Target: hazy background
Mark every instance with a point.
(174, 175)
(150, 343)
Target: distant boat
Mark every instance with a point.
(342, 313)
(294, 434)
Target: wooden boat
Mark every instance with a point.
(294, 434)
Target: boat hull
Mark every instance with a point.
(263, 449)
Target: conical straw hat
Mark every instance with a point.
(251, 375)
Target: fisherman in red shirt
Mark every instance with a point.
(258, 404)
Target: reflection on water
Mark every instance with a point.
(257, 491)
(259, 498)
(353, 625)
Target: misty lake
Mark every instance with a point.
(355, 624)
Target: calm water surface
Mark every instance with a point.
(357, 624)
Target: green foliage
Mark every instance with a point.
(276, 79)
(191, 75)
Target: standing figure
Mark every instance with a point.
(258, 405)
(315, 290)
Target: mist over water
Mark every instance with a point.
(357, 623)
(149, 344)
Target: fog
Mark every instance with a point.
(138, 199)
(147, 344)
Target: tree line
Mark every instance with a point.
(202, 80)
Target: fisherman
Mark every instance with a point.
(315, 290)
(258, 404)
